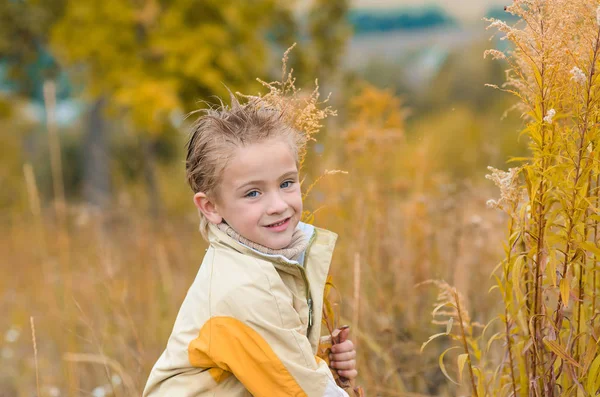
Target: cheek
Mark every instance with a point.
(245, 213)
(249, 212)
(252, 213)
(297, 201)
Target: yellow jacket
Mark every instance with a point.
(250, 325)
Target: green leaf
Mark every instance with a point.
(432, 337)
(438, 307)
(560, 352)
(589, 355)
(462, 359)
(499, 317)
(588, 246)
(517, 277)
(592, 383)
(494, 337)
(565, 289)
(522, 368)
(528, 174)
(595, 217)
(443, 367)
(517, 159)
(449, 326)
(479, 379)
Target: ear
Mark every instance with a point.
(208, 207)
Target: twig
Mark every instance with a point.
(35, 355)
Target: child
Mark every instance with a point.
(251, 321)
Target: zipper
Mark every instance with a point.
(310, 313)
(302, 268)
(309, 300)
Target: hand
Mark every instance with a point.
(343, 356)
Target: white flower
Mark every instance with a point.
(99, 391)
(491, 203)
(578, 75)
(12, 335)
(508, 182)
(54, 391)
(549, 116)
(500, 25)
(494, 53)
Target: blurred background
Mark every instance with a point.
(98, 232)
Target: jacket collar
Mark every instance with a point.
(320, 237)
(217, 236)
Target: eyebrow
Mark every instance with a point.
(258, 182)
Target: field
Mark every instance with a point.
(453, 283)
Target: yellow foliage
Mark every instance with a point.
(150, 103)
(377, 122)
(150, 58)
(553, 232)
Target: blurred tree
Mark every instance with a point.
(24, 28)
(329, 31)
(462, 79)
(24, 66)
(154, 59)
(146, 63)
(321, 37)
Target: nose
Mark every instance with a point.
(277, 204)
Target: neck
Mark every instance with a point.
(292, 251)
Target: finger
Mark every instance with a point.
(346, 356)
(350, 364)
(343, 347)
(344, 334)
(337, 334)
(348, 374)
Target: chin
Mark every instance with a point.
(279, 243)
(278, 246)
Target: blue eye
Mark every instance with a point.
(253, 193)
(286, 184)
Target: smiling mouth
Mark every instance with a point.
(278, 223)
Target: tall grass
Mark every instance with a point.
(400, 223)
(104, 302)
(548, 279)
(104, 288)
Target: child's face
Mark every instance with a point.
(259, 194)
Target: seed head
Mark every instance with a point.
(508, 182)
(549, 116)
(495, 54)
(492, 203)
(578, 75)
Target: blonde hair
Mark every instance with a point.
(220, 131)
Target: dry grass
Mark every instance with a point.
(104, 289)
(548, 279)
(102, 319)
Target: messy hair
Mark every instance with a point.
(281, 113)
(219, 131)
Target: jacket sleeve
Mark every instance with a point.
(262, 343)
